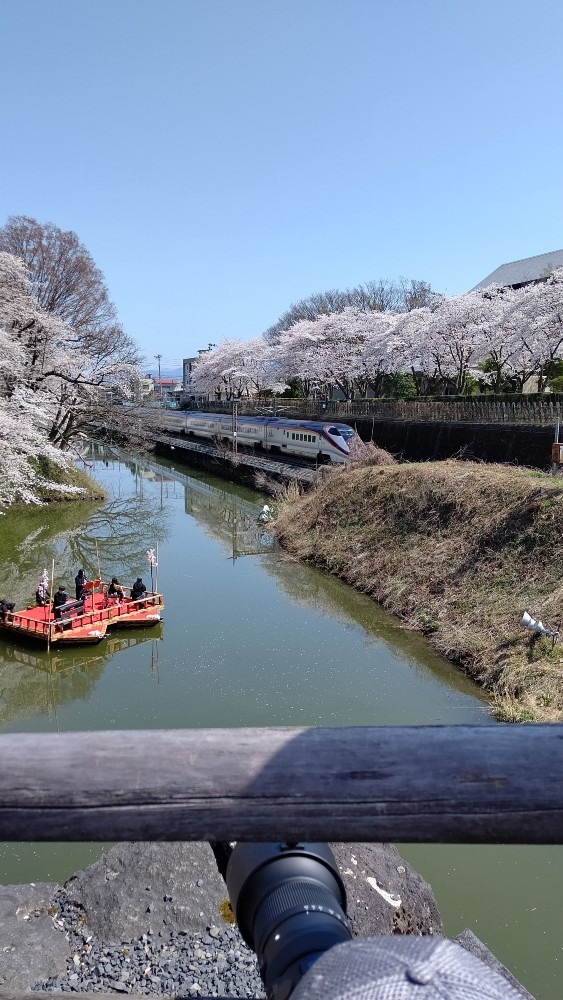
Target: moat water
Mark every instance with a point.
(250, 638)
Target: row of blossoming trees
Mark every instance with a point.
(503, 335)
(60, 346)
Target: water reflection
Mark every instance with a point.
(222, 512)
(104, 538)
(34, 682)
(335, 600)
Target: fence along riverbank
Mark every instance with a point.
(544, 412)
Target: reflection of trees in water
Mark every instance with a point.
(120, 530)
(229, 519)
(227, 512)
(29, 539)
(338, 601)
(35, 682)
(329, 596)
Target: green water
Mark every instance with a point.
(250, 638)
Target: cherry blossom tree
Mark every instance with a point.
(236, 368)
(455, 338)
(410, 348)
(381, 355)
(63, 276)
(24, 410)
(533, 325)
(382, 295)
(87, 350)
(50, 381)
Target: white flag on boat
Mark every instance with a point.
(151, 557)
(43, 588)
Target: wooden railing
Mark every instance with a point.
(484, 784)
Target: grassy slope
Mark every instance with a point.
(458, 551)
(66, 476)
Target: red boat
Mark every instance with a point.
(84, 621)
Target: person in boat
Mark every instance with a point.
(138, 590)
(60, 598)
(5, 608)
(115, 589)
(80, 582)
(42, 596)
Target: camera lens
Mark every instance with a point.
(290, 906)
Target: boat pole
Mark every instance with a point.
(50, 604)
(99, 572)
(156, 571)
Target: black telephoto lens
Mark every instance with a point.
(290, 906)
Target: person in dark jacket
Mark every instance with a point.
(5, 608)
(80, 583)
(60, 598)
(138, 590)
(42, 596)
(115, 589)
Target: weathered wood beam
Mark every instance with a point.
(482, 784)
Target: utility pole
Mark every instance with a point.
(235, 426)
(158, 357)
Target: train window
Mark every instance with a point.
(293, 437)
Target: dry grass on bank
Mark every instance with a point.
(458, 550)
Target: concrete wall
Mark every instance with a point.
(418, 441)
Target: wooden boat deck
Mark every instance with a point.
(90, 625)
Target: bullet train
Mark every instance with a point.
(317, 440)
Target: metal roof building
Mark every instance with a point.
(522, 272)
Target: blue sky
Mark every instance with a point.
(222, 159)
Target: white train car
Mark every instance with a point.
(319, 441)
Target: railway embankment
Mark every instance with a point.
(458, 551)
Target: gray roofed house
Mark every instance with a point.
(523, 272)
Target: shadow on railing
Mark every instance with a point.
(450, 784)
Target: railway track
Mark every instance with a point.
(297, 469)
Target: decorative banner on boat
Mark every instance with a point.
(43, 588)
(151, 557)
